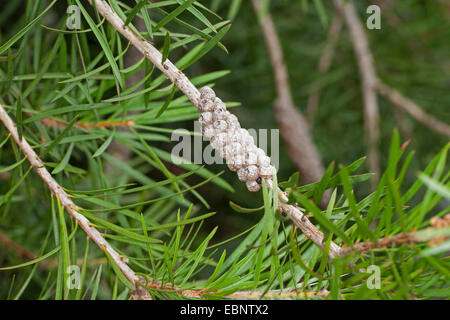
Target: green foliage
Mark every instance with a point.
(57, 84)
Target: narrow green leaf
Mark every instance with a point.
(104, 146)
(97, 282)
(64, 242)
(60, 167)
(60, 136)
(119, 273)
(241, 209)
(363, 227)
(166, 47)
(103, 44)
(321, 187)
(440, 248)
(436, 186)
(206, 47)
(196, 256)
(311, 207)
(172, 15)
(11, 167)
(22, 32)
(199, 16)
(135, 10)
(234, 9)
(19, 117)
(166, 103)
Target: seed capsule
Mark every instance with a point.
(218, 103)
(266, 172)
(206, 93)
(233, 143)
(252, 172)
(206, 105)
(206, 118)
(253, 186)
(220, 113)
(209, 131)
(232, 149)
(233, 136)
(263, 161)
(219, 140)
(220, 125)
(242, 174)
(233, 122)
(235, 163)
(250, 158)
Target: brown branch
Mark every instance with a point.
(309, 230)
(102, 124)
(244, 295)
(46, 263)
(404, 238)
(179, 79)
(369, 80)
(67, 203)
(292, 294)
(117, 149)
(324, 64)
(413, 109)
(10, 244)
(293, 126)
(371, 84)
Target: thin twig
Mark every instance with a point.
(302, 222)
(324, 64)
(245, 295)
(46, 263)
(10, 244)
(59, 192)
(369, 80)
(404, 238)
(413, 109)
(98, 125)
(180, 80)
(293, 126)
(278, 295)
(371, 84)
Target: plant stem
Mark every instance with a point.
(180, 80)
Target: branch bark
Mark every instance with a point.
(405, 238)
(68, 204)
(369, 80)
(10, 244)
(180, 80)
(413, 109)
(244, 295)
(371, 84)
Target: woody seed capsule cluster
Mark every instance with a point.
(233, 143)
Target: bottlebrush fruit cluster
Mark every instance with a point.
(233, 143)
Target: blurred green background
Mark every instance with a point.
(411, 52)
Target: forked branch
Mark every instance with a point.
(68, 204)
(412, 237)
(180, 80)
